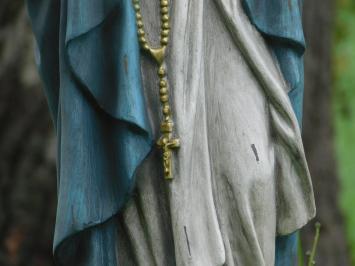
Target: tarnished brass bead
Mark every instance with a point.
(166, 26)
(142, 40)
(141, 32)
(162, 83)
(163, 90)
(140, 24)
(138, 16)
(166, 109)
(161, 71)
(164, 3)
(165, 18)
(164, 40)
(166, 126)
(164, 10)
(165, 33)
(164, 98)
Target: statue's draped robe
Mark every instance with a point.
(89, 61)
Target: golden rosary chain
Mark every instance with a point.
(165, 26)
(166, 142)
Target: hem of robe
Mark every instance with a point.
(100, 223)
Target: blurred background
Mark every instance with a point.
(27, 141)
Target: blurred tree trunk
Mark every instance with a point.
(318, 135)
(27, 148)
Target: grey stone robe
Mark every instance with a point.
(241, 177)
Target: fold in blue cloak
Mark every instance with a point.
(88, 58)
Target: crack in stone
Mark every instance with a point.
(187, 241)
(255, 152)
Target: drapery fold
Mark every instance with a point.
(88, 57)
(280, 22)
(103, 53)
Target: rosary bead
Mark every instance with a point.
(161, 71)
(165, 18)
(162, 83)
(142, 40)
(166, 126)
(138, 16)
(164, 10)
(163, 91)
(141, 32)
(164, 41)
(166, 26)
(165, 33)
(166, 109)
(164, 3)
(164, 98)
(140, 24)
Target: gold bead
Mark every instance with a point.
(164, 10)
(164, 3)
(163, 90)
(165, 33)
(166, 26)
(165, 18)
(135, 1)
(141, 32)
(164, 41)
(146, 46)
(164, 98)
(161, 71)
(138, 16)
(137, 7)
(167, 126)
(140, 24)
(166, 109)
(142, 40)
(162, 83)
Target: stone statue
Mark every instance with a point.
(216, 99)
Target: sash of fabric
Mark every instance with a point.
(280, 22)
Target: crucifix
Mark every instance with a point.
(167, 143)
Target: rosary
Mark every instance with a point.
(166, 142)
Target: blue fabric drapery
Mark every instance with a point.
(89, 61)
(88, 58)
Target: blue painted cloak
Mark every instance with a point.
(88, 58)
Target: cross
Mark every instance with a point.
(167, 144)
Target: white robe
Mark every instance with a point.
(241, 177)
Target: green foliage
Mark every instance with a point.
(344, 109)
